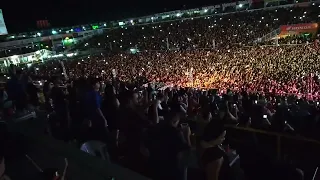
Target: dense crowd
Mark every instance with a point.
(161, 112)
(217, 31)
(284, 70)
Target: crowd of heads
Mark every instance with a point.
(283, 70)
(225, 30)
(204, 79)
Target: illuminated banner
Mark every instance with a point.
(3, 28)
(299, 27)
(295, 29)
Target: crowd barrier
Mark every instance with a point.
(279, 137)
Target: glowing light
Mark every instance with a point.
(240, 5)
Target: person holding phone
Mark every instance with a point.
(214, 161)
(166, 143)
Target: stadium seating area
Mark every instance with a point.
(186, 99)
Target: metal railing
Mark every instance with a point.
(279, 137)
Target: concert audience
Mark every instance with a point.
(168, 104)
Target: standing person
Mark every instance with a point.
(214, 160)
(93, 112)
(16, 90)
(166, 143)
(32, 91)
(111, 106)
(133, 123)
(60, 106)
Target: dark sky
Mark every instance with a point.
(22, 16)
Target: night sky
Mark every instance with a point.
(22, 16)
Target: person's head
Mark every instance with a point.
(160, 97)
(213, 131)
(177, 98)
(109, 90)
(131, 98)
(206, 115)
(174, 116)
(57, 81)
(95, 84)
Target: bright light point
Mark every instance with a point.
(104, 24)
(178, 14)
(206, 10)
(54, 32)
(240, 5)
